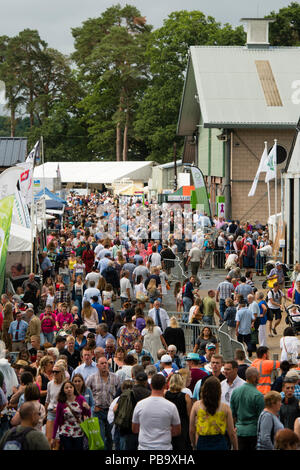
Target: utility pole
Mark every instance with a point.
(175, 167)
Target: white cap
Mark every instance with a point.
(166, 358)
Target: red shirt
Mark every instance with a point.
(196, 374)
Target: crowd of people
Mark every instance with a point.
(96, 338)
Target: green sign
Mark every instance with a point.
(6, 208)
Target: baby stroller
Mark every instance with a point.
(293, 320)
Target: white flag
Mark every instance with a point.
(26, 178)
(261, 167)
(271, 164)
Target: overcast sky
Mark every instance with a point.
(55, 18)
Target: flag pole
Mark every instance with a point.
(275, 168)
(268, 187)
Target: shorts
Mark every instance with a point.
(51, 415)
(272, 312)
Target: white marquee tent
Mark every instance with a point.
(94, 172)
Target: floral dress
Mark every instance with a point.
(71, 427)
(128, 339)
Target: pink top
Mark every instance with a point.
(61, 318)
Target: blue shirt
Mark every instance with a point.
(101, 340)
(245, 317)
(143, 352)
(85, 371)
(23, 325)
(264, 319)
(174, 366)
(99, 309)
(103, 263)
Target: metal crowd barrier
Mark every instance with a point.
(177, 272)
(227, 345)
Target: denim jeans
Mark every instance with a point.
(47, 338)
(105, 428)
(222, 308)
(129, 442)
(208, 320)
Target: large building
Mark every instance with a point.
(235, 99)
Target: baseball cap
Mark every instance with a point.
(141, 377)
(192, 357)
(166, 358)
(202, 359)
(292, 374)
(29, 305)
(278, 263)
(210, 346)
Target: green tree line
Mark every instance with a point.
(117, 96)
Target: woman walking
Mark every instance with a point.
(210, 420)
(153, 339)
(71, 410)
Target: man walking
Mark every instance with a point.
(246, 404)
(224, 290)
(244, 322)
(155, 419)
(25, 436)
(232, 381)
(159, 316)
(17, 331)
(104, 385)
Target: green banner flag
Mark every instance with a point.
(200, 189)
(6, 208)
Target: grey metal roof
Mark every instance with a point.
(12, 150)
(223, 88)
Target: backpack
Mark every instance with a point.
(17, 440)
(168, 376)
(250, 251)
(124, 412)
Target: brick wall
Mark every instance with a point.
(247, 148)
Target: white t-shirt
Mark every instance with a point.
(155, 415)
(124, 284)
(277, 296)
(289, 344)
(155, 259)
(92, 276)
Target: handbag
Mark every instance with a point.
(168, 285)
(289, 355)
(91, 429)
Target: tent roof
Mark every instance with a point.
(96, 172)
(20, 238)
(234, 86)
(49, 195)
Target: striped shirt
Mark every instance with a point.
(225, 289)
(103, 392)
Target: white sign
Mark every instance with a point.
(184, 179)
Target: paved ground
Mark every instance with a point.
(210, 279)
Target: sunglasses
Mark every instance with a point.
(56, 371)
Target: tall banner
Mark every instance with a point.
(20, 211)
(262, 167)
(200, 189)
(26, 177)
(6, 208)
(271, 164)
